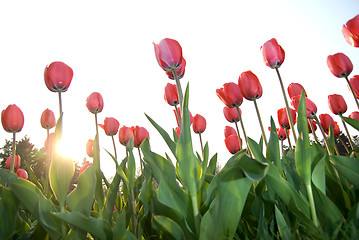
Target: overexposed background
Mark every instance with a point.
(108, 45)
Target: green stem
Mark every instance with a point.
(179, 90)
(346, 130)
(324, 137)
(48, 157)
(97, 163)
(244, 132)
(313, 131)
(260, 123)
(114, 147)
(134, 213)
(352, 90)
(287, 105)
(60, 103)
(178, 116)
(195, 213)
(12, 165)
(200, 140)
(312, 205)
(343, 143)
(239, 137)
(139, 153)
(287, 134)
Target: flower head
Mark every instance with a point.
(250, 86)
(351, 31)
(110, 126)
(325, 121)
(311, 107)
(47, 119)
(354, 115)
(12, 119)
(17, 162)
(94, 102)
(340, 65)
(232, 144)
(124, 135)
(337, 104)
(171, 94)
(199, 124)
(21, 173)
(84, 167)
(283, 117)
(139, 134)
(231, 114)
(89, 148)
(295, 89)
(273, 53)
(58, 77)
(168, 54)
(230, 94)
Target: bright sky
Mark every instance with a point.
(109, 47)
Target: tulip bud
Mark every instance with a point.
(295, 89)
(273, 53)
(21, 173)
(94, 103)
(84, 167)
(139, 134)
(283, 117)
(337, 104)
(124, 135)
(231, 114)
(110, 126)
(47, 119)
(351, 31)
(58, 77)
(281, 134)
(314, 123)
(232, 144)
(168, 54)
(340, 65)
(12, 119)
(354, 115)
(89, 148)
(228, 131)
(325, 121)
(230, 94)
(171, 95)
(311, 107)
(199, 124)
(354, 81)
(17, 162)
(250, 86)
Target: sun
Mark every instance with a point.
(72, 148)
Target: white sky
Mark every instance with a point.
(109, 47)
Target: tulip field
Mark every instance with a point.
(294, 183)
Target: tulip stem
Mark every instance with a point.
(12, 165)
(260, 123)
(239, 137)
(179, 90)
(114, 147)
(346, 130)
(139, 153)
(244, 131)
(48, 157)
(287, 106)
(178, 117)
(352, 90)
(60, 103)
(200, 140)
(287, 134)
(313, 131)
(312, 205)
(343, 143)
(324, 137)
(97, 164)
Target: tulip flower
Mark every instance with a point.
(177, 113)
(171, 95)
(336, 129)
(311, 107)
(94, 102)
(47, 119)
(283, 117)
(325, 121)
(84, 167)
(351, 31)
(124, 135)
(295, 89)
(314, 124)
(250, 86)
(230, 94)
(168, 54)
(110, 126)
(337, 104)
(273, 53)
(281, 133)
(199, 124)
(228, 131)
(16, 164)
(354, 115)
(12, 119)
(21, 173)
(139, 134)
(231, 114)
(354, 82)
(89, 148)
(232, 144)
(340, 65)
(58, 77)
(179, 72)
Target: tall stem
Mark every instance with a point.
(60, 103)
(287, 106)
(313, 131)
(324, 137)
(239, 136)
(114, 147)
(346, 130)
(179, 90)
(312, 205)
(260, 123)
(244, 131)
(97, 164)
(352, 90)
(178, 117)
(200, 140)
(343, 143)
(139, 153)
(134, 213)
(12, 165)
(287, 134)
(48, 157)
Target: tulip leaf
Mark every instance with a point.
(273, 152)
(170, 226)
(81, 198)
(256, 149)
(283, 228)
(131, 165)
(111, 195)
(146, 191)
(8, 211)
(318, 175)
(99, 195)
(352, 122)
(120, 232)
(348, 167)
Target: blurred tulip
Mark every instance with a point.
(351, 31)
(110, 126)
(21, 173)
(281, 133)
(171, 95)
(283, 117)
(337, 104)
(354, 81)
(124, 135)
(340, 65)
(230, 94)
(314, 123)
(139, 134)
(325, 121)
(199, 124)
(17, 162)
(58, 77)
(84, 167)
(295, 89)
(168, 54)
(12, 119)
(273, 53)
(47, 119)
(180, 71)
(232, 144)
(231, 114)
(89, 148)
(354, 115)
(229, 131)
(94, 102)
(250, 86)
(311, 107)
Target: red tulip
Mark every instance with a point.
(273, 53)
(58, 77)
(351, 31)
(325, 121)
(354, 115)
(110, 126)
(21, 173)
(89, 148)
(340, 65)
(178, 131)
(231, 114)
(311, 107)
(337, 104)
(229, 131)
(124, 135)
(12, 119)
(17, 162)
(230, 94)
(168, 54)
(84, 167)
(139, 134)
(171, 94)
(336, 129)
(281, 133)
(283, 117)
(354, 81)
(250, 86)
(179, 112)
(295, 89)
(180, 71)
(232, 144)
(314, 123)
(199, 124)
(47, 119)
(94, 102)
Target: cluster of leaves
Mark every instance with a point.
(303, 194)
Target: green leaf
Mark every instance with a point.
(318, 175)
(81, 198)
(273, 151)
(131, 166)
(170, 226)
(352, 122)
(146, 191)
(96, 227)
(111, 196)
(99, 195)
(348, 167)
(120, 232)
(8, 213)
(256, 149)
(283, 228)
